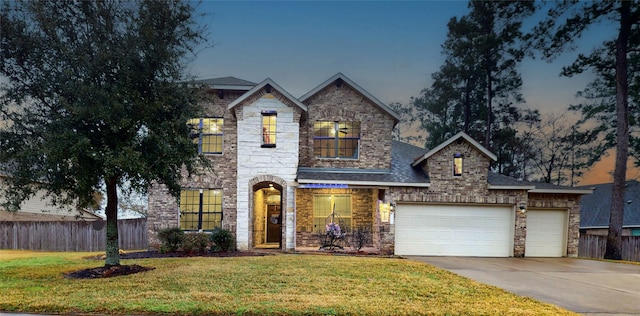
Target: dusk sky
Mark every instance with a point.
(389, 48)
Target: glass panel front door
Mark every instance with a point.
(274, 223)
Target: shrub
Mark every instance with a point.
(222, 239)
(171, 239)
(360, 237)
(195, 242)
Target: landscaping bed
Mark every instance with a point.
(120, 270)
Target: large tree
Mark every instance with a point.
(566, 22)
(478, 87)
(94, 96)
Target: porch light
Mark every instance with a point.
(385, 210)
(522, 207)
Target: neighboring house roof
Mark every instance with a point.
(400, 174)
(340, 76)
(267, 84)
(595, 208)
(552, 188)
(47, 217)
(455, 137)
(228, 83)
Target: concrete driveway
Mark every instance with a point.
(583, 286)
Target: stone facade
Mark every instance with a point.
(254, 177)
(164, 208)
(469, 189)
(254, 160)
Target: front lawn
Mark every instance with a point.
(279, 284)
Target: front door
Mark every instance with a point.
(274, 222)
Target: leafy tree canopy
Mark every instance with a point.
(96, 94)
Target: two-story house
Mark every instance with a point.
(285, 166)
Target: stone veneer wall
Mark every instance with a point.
(471, 188)
(363, 211)
(343, 103)
(569, 202)
(163, 208)
(254, 161)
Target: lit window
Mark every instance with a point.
(269, 129)
(207, 133)
(336, 139)
(457, 165)
(325, 204)
(200, 209)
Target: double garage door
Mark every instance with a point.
(479, 230)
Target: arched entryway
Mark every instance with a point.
(267, 225)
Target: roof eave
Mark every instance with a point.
(363, 183)
(230, 87)
(510, 187)
(261, 85)
(561, 191)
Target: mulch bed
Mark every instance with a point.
(120, 270)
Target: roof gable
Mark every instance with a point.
(267, 86)
(462, 135)
(340, 78)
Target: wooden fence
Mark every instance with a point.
(594, 246)
(71, 236)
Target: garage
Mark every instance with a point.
(546, 233)
(454, 230)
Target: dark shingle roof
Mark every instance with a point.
(227, 81)
(500, 180)
(595, 208)
(401, 172)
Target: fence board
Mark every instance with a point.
(594, 246)
(70, 236)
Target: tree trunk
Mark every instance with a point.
(614, 237)
(487, 136)
(467, 106)
(113, 255)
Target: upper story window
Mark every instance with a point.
(269, 129)
(457, 165)
(336, 139)
(200, 209)
(207, 133)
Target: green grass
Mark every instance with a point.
(275, 285)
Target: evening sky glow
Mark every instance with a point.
(389, 48)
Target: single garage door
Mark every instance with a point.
(546, 233)
(447, 230)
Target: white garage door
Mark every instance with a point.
(445, 230)
(546, 233)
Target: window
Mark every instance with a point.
(324, 204)
(457, 165)
(200, 209)
(336, 139)
(269, 129)
(207, 133)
